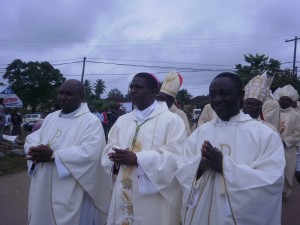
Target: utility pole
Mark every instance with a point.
(295, 50)
(84, 58)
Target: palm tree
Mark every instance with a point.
(99, 87)
(87, 89)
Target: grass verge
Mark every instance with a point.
(12, 163)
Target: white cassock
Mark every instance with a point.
(290, 127)
(183, 116)
(207, 115)
(74, 189)
(148, 194)
(250, 190)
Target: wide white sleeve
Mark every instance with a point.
(32, 139)
(111, 143)
(83, 161)
(250, 186)
(61, 169)
(160, 164)
(145, 185)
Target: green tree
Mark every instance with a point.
(260, 63)
(183, 97)
(285, 77)
(256, 66)
(88, 89)
(36, 83)
(113, 93)
(99, 87)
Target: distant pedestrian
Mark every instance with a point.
(16, 120)
(7, 124)
(2, 119)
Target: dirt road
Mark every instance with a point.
(14, 196)
(14, 190)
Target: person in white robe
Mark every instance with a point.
(207, 115)
(256, 93)
(297, 173)
(168, 93)
(140, 157)
(290, 134)
(68, 183)
(233, 167)
(270, 107)
(271, 111)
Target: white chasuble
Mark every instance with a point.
(250, 189)
(158, 145)
(183, 116)
(290, 134)
(271, 112)
(78, 143)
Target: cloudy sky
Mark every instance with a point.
(198, 38)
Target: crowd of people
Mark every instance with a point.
(235, 168)
(108, 118)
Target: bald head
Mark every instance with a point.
(74, 83)
(69, 95)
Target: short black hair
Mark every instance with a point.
(234, 78)
(151, 81)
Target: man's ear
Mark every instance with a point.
(155, 91)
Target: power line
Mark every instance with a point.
(155, 61)
(128, 74)
(59, 64)
(147, 66)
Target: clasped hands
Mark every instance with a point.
(123, 157)
(40, 153)
(211, 158)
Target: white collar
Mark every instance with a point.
(231, 122)
(69, 115)
(142, 115)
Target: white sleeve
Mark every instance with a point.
(32, 167)
(146, 187)
(61, 169)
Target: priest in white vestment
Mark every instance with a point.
(271, 111)
(233, 168)
(168, 93)
(140, 157)
(270, 107)
(68, 183)
(207, 115)
(256, 93)
(290, 133)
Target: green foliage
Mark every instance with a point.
(36, 83)
(88, 89)
(113, 93)
(183, 97)
(99, 87)
(285, 77)
(101, 104)
(258, 64)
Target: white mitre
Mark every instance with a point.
(258, 87)
(171, 84)
(289, 91)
